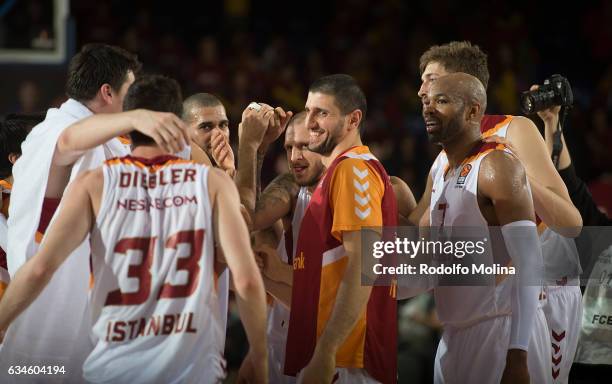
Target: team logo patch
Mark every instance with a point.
(464, 172)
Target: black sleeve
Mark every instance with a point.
(582, 199)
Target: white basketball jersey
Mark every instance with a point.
(155, 308)
(454, 206)
(278, 317)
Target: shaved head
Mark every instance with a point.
(464, 86)
(454, 104)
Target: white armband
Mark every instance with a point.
(523, 245)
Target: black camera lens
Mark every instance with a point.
(555, 91)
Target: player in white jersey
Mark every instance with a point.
(153, 220)
(487, 328)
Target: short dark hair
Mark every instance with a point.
(13, 131)
(346, 93)
(156, 93)
(458, 56)
(199, 100)
(96, 65)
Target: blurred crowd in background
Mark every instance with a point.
(242, 50)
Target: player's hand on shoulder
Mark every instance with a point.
(168, 131)
(500, 140)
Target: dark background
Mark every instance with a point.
(244, 50)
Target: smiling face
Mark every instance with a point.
(325, 123)
(203, 121)
(305, 165)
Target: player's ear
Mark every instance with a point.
(355, 119)
(474, 111)
(12, 157)
(106, 93)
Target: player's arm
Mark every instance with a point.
(251, 132)
(280, 291)
(551, 199)
(69, 229)
(422, 208)
(503, 181)
(168, 131)
(232, 235)
(405, 200)
(276, 201)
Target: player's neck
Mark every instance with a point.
(458, 149)
(148, 151)
(343, 146)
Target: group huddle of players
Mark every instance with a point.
(130, 221)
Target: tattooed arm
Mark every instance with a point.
(276, 201)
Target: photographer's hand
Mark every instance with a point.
(550, 117)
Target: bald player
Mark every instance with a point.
(551, 200)
(487, 328)
(558, 219)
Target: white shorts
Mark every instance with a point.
(348, 376)
(563, 311)
(477, 354)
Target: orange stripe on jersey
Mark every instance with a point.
(6, 185)
(125, 139)
(140, 164)
(3, 286)
(492, 131)
(541, 227)
(479, 150)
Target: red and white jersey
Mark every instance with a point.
(155, 310)
(454, 206)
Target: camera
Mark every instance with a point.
(556, 90)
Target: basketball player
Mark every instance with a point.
(338, 329)
(560, 219)
(209, 133)
(285, 198)
(487, 329)
(153, 220)
(55, 151)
